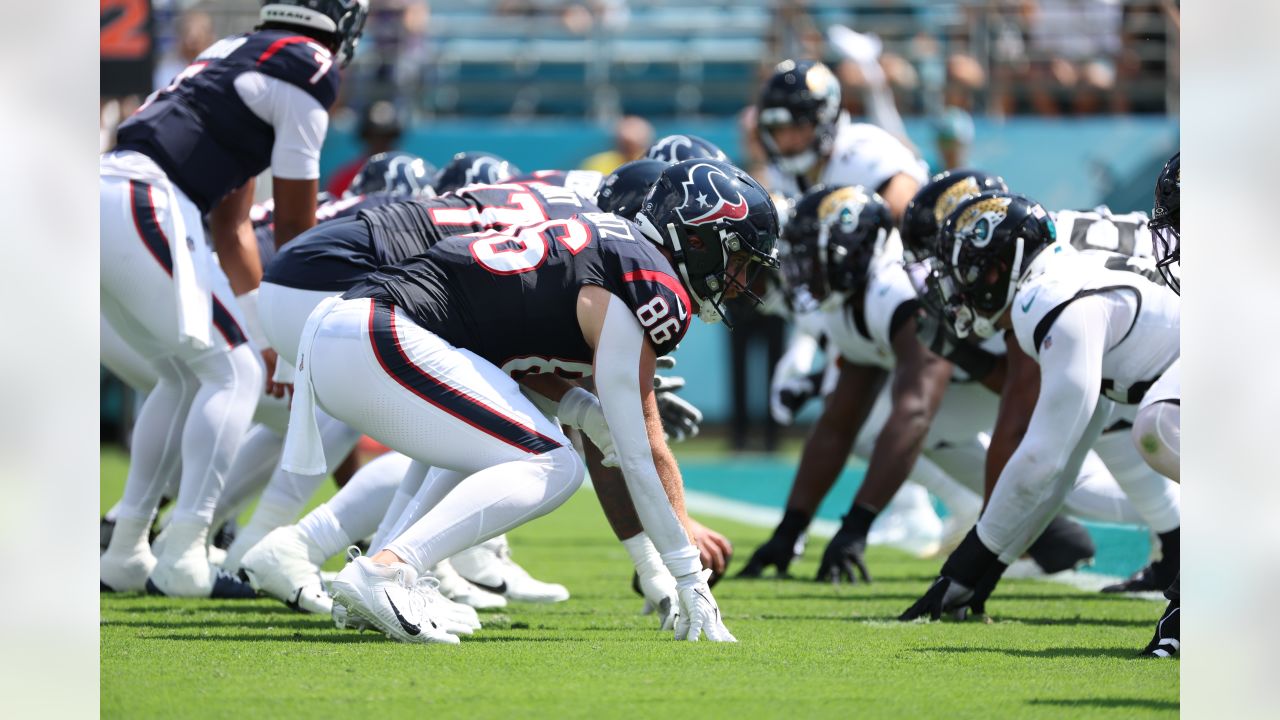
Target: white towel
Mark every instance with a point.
(303, 448)
(191, 286)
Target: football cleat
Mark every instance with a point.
(1152, 578)
(183, 568)
(460, 590)
(1166, 641)
(386, 596)
(120, 573)
(244, 541)
(286, 566)
(489, 566)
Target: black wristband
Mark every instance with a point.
(794, 523)
(970, 561)
(858, 521)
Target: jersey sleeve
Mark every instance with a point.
(661, 305)
(302, 62)
(871, 156)
(891, 301)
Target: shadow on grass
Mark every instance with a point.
(1123, 653)
(348, 638)
(314, 622)
(259, 606)
(1108, 703)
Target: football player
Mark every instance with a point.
(1157, 429)
(249, 102)
(675, 148)
(419, 355)
(810, 142)
(1091, 320)
(1153, 498)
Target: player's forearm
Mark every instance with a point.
(611, 492)
(232, 234)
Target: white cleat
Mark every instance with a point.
(385, 596)
(183, 569)
(244, 542)
(489, 566)
(454, 617)
(286, 566)
(125, 573)
(458, 589)
(909, 523)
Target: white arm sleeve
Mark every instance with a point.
(617, 369)
(300, 123)
(1042, 470)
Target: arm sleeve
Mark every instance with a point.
(1045, 464)
(299, 120)
(617, 365)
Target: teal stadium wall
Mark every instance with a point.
(1063, 163)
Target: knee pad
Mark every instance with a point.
(1158, 436)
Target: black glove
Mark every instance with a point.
(842, 556)
(944, 595)
(786, 545)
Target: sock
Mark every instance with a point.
(322, 528)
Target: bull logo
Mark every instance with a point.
(977, 223)
(710, 195)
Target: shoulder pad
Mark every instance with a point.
(304, 62)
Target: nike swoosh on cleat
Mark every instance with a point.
(500, 589)
(408, 626)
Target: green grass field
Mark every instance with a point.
(805, 649)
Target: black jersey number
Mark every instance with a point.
(519, 250)
(1145, 267)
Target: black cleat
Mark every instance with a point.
(1064, 545)
(1148, 579)
(1165, 643)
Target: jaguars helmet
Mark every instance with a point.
(674, 148)
(853, 229)
(622, 191)
(399, 173)
(1166, 232)
(934, 202)
(991, 239)
(343, 19)
(799, 92)
(471, 168)
(799, 246)
(709, 214)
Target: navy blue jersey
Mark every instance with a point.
(199, 131)
(335, 258)
(263, 217)
(511, 297)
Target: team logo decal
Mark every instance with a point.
(844, 206)
(710, 195)
(676, 147)
(978, 222)
(953, 196)
(408, 168)
(476, 171)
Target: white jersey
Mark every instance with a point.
(863, 154)
(1139, 350)
(1101, 229)
(866, 338)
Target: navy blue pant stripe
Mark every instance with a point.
(148, 226)
(386, 347)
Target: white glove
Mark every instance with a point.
(580, 409)
(698, 613)
(791, 376)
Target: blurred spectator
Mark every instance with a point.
(793, 34)
(632, 135)
(380, 129)
(1146, 73)
(396, 55)
(953, 135)
(1074, 46)
(193, 32)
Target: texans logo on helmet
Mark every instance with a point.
(474, 174)
(707, 199)
(411, 173)
(670, 147)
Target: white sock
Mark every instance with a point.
(323, 529)
(129, 536)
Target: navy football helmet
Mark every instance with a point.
(1165, 225)
(799, 252)
(853, 228)
(989, 241)
(674, 148)
(934, 202)
(712, 218)
(471, 168)
(399, 173)
(343, 19)
(804, 92)
(623, 190)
